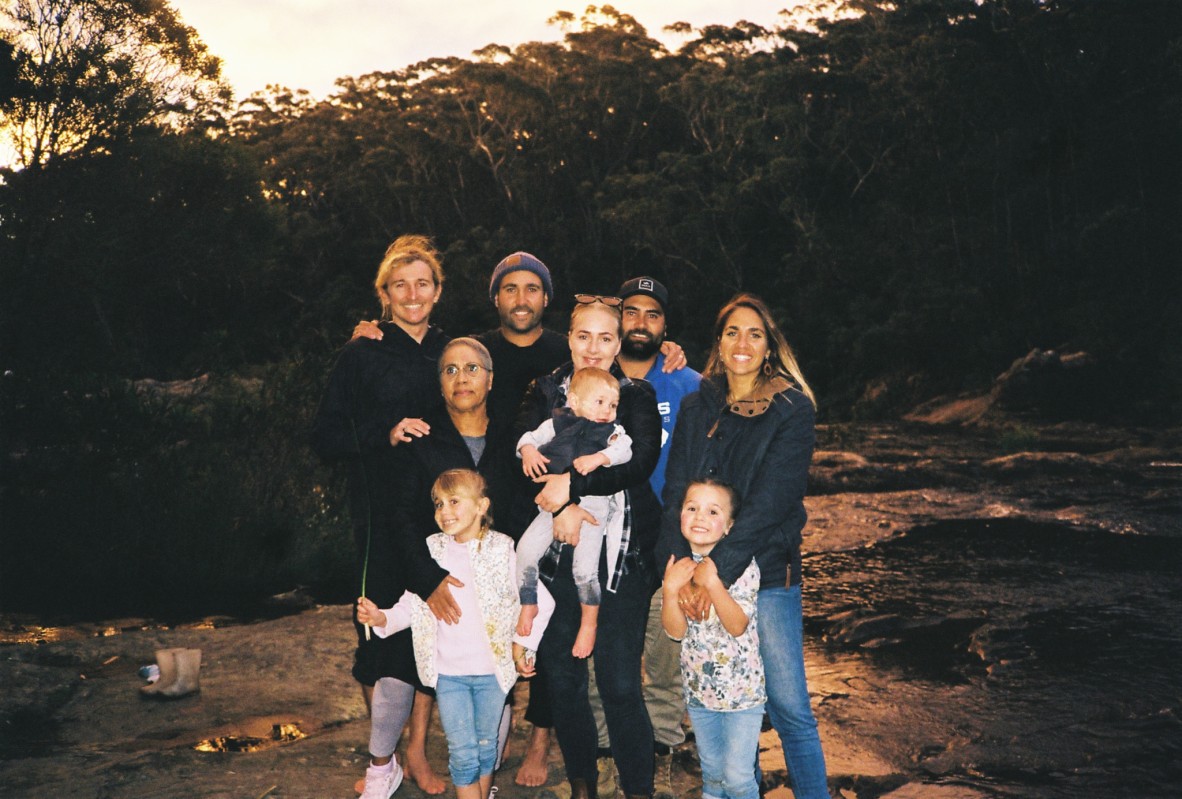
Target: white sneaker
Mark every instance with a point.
(382, 781)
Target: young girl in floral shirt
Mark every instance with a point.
(471, 664)
(720, 664)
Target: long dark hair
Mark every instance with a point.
(780, 359)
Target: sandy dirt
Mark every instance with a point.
(73, 723)
(77, 726)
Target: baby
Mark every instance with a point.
(582, 436)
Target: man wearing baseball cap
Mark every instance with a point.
(645, 316)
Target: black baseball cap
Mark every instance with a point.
(649, 286)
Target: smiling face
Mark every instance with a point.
(459, 514)
(464, 379)
(644, 326)
(705, 517)
(594, 336)
(410, 294)
(520, 301)
(743, 345)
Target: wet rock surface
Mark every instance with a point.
(988, 612)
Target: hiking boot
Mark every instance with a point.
(608, 785)
(663, 777)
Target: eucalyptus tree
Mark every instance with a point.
(125, 211)
(91, 71)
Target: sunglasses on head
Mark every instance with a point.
(587, 299)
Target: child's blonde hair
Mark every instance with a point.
(589, 378)
(469, 483)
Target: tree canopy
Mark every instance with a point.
(923, 189)
(90, 72)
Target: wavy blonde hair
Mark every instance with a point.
(781, 360)
(406, 250)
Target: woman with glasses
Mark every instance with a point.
(627, 574)
(463, 436)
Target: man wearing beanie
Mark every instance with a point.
(521, 348)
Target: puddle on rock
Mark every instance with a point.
(253, 736)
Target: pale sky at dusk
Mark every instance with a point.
(307, 44)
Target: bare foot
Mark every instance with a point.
(584, 641)
(525, 619)
(534, 769)
(419, 770)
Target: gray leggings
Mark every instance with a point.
(389, 711)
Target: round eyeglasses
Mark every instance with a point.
(453, 369)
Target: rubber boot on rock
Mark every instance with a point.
(166, 660)
(188, 675)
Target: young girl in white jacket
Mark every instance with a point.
(471, 664)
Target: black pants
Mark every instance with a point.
(619, 644)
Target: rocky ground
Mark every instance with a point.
(72, 722)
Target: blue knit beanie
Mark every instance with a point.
(515, 262)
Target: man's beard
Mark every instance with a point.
(533, 321)
(642, 347)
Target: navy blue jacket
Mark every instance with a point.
(765, 457)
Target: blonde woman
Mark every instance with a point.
(629, 579)
(376, 399)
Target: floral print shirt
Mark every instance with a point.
(718, 670)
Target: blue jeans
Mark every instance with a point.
(619, 642)
(728, 744)
(470, 711)
(781, 645)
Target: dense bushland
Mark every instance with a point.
(924, 191)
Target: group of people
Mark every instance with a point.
(577, 511)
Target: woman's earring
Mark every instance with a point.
(767, 367)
